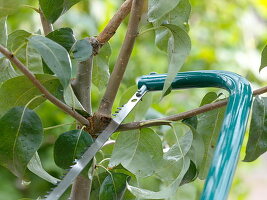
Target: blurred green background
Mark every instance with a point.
(226, 35)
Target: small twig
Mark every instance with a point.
(122, 60)
(42, 89)
(47, 26)
(180, 116)
(115, 22)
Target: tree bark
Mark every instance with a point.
(82, 88)
(47, 26)
(122, 60)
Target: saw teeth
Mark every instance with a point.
(114, 115)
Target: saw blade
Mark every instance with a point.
(88, 155)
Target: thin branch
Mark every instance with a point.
(122, 60)
(80, 188)
(83, 82)
(115, 22)
(47, 26)
(82, 88)
(42, 89)
(180, 116)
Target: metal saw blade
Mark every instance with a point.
(76, 169)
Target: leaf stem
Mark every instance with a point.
(36, 97)
(19, 48)
(41, 88)
(150, 29)
(181, 116)
(122, 60)
(32, 7)
(58, 126)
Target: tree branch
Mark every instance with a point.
(80, 188)
(122, 60)
(82, 88)
(83, 82)
(41, 88)
(115, 22)
(180, 116)
(47, 26)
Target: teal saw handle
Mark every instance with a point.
(232, 132)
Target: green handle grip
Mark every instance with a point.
(231, 136)
(193, 79)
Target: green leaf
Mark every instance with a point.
(96, 184)
(257, 141)
(178, 16)
(162, 39)
(69, 146)
(159, 8)
(165, 193)
(35, 166)
(3, 31)
(197, 150)
(17, 39)
(172, 163)
(71, 99)
(113, 186)
(19, 91)
(82, 50)
(209, 126)
(101, 67)
(64, 37)
(8, 7)
(191, 174)
(263, 58)
(209, 98)
(33, 60)
(54, 9)
(55, 56)
(6, 69)
(139, 151)
(178, 49)
(18, 44)
(21, 134)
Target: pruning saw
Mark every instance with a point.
(226, 155)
